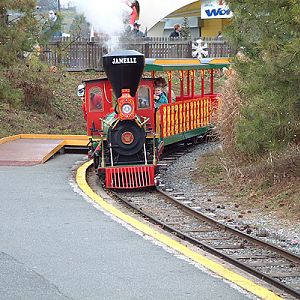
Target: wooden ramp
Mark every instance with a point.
(30, 149)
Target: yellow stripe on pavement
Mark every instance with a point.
(215, 267)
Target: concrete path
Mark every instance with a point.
(56, 245)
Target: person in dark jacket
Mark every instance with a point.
(136, 30)
(176, 32)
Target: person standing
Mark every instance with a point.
(136, 30)
(176, 32)
(134, 11)
(55, 23)
(52, 27)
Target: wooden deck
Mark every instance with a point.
(29, 150)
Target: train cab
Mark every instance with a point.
(100, 101)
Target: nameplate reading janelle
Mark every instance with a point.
(124, 60)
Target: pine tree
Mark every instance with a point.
(185, 29)
(46, 5)
(79, 27)
(23, 78)
(267, 35)
(19, 32)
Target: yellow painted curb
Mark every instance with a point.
(54, 136)
(9, 138)
(239, 280)
(70, 140)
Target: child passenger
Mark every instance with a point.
(160, 81)
(159, 97)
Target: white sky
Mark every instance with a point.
(150, 14)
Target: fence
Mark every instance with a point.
(80, 54)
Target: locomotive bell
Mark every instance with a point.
(124, 69)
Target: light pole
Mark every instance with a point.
(58, 5)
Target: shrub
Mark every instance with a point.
(267, 76)
(8, 94)
(35, 82)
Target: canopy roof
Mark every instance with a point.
(169, 64)
(155, 10)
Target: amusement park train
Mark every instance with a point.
(127, 130)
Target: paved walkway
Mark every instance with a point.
(56, 245)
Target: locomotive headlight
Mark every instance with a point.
(126, 109)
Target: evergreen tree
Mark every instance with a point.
(79, 27)
(23, 78)
(19, 32)
(185, 29)
(46, 5)
(267, 33)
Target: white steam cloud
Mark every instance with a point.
(106, 17)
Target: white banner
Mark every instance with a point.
(215, 9)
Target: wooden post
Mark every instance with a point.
(193, 83)
(202, 83)
(170, 86)
(188, 83)
(181, 74)
(147, 50)
(211, 81)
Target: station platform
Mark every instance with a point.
(56, 245)
(59, 240)
(33, 149)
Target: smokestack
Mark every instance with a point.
(124, 69)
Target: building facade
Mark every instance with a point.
(206, 18)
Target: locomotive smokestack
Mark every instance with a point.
(124, 69)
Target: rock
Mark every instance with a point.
(262, 232)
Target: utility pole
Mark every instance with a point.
(58, 5)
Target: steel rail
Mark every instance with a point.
(202, 245)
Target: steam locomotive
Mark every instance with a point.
(127, 133)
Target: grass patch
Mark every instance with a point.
(268, 186)
(64, 116)
(210, 171)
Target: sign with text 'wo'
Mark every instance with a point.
(215, 9)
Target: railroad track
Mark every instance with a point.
(179, 215)
(172, 211)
